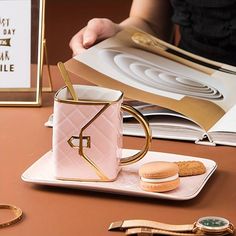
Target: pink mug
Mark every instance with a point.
(87, 134)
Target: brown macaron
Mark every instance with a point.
(159, 176)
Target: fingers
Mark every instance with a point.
(99, 29)
(93, 32)
(96, 30)
(86, 37)
(76, 43)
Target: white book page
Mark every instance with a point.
(159, 116)
(227, 123)
(158, 75)
(166, 130)
(164, 123)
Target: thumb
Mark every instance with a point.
(89, 38)
(94, 31)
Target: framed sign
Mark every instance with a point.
(21, 52)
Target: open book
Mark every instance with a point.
(168, 124)
(191, 88)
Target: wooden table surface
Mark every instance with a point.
(58, 211)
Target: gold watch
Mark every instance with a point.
(210, 225)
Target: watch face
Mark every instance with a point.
(213, 224)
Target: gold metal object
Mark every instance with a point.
(147, 40)
(50, 86)
(148, 232)
(16, 96)
(126, 160)
(17, 215)
(67, 81)
(81, 137)
(148, 136)
(213, 225)
(202, 227)
(172, 52)
(126, 224)
(101, 175)
(84, 138)
(137, 115)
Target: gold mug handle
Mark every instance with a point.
(148, 136)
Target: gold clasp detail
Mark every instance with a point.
(74, 141)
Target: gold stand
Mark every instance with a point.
(50, 87)
(32, 96)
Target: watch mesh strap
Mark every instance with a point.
(123, 225)
(149, 231)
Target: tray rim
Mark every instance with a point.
(87, 185)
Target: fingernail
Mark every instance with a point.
(86, 44)
(87, 41)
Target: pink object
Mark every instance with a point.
(87, 134)
(128, 179)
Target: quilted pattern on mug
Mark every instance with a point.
(106, 140)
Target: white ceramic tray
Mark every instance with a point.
(127, 183)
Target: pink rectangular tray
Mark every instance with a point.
(127, 183)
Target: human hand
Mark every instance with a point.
(96, 30)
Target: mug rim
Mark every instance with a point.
(87, 101)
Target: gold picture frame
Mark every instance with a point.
(22, 51)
